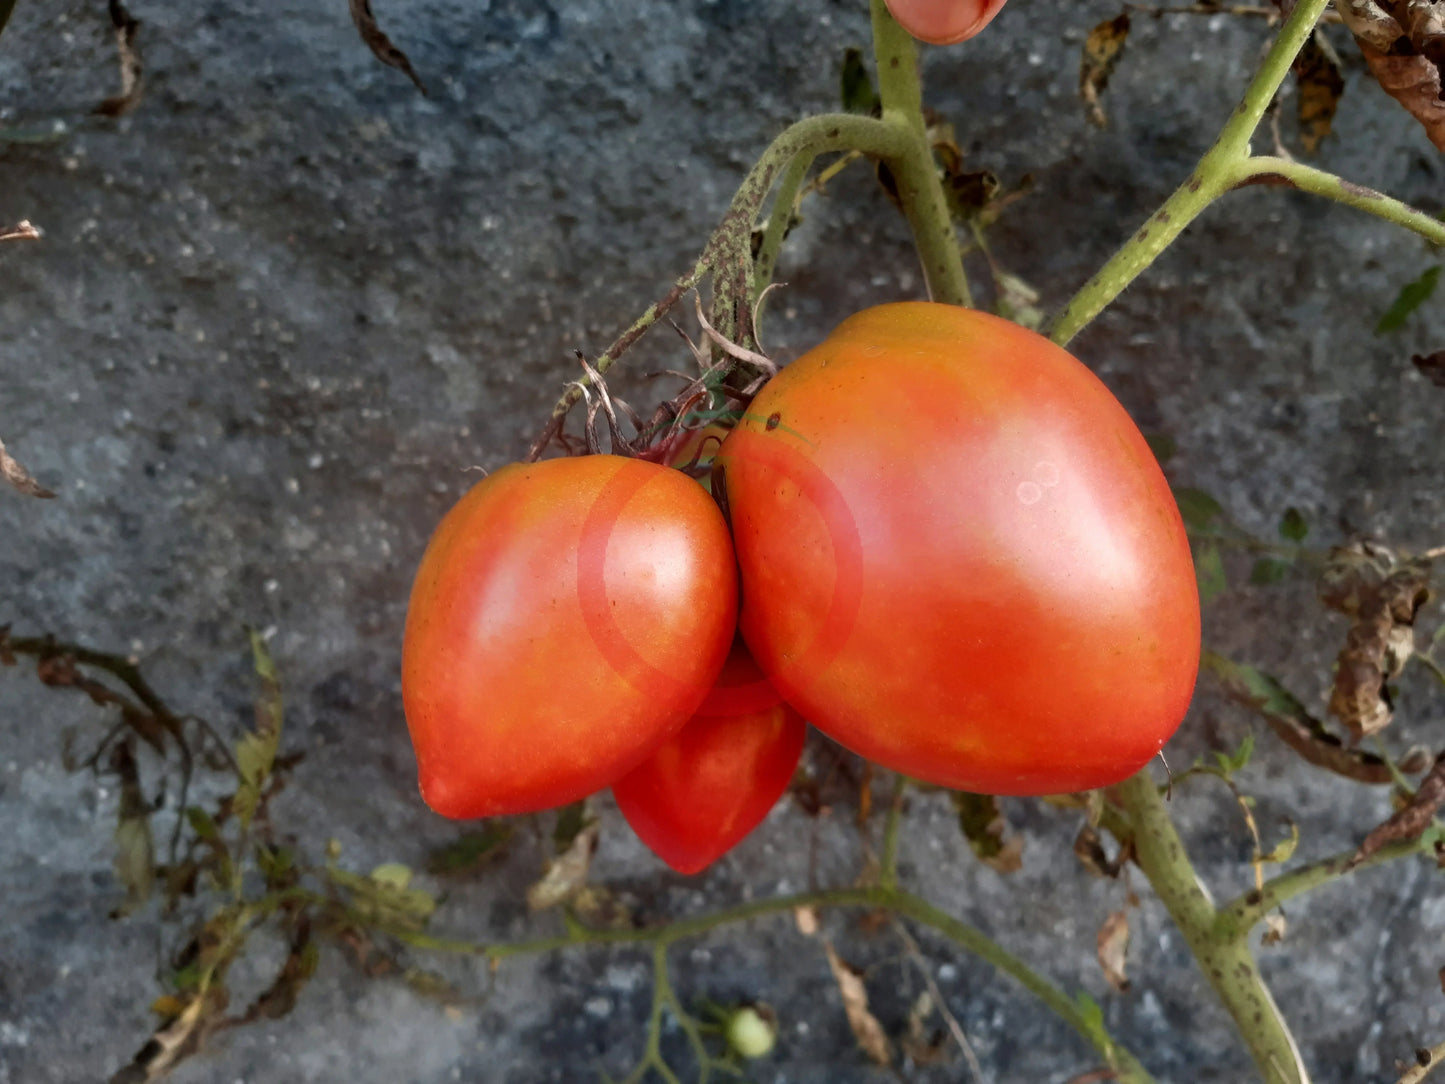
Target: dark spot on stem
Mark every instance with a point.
(1195, 183)
(1162, 216)
(1254, 898)
(1142, 235)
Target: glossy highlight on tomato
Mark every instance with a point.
(959, 557)
(944, 22)
(711, 784)
(567, 618)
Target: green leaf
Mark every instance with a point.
(471, 850)
(1091, 1017)
(1197, 508)
(1268, 570)
(392, 874)
(1229, 763)
(1411, 296)
(203, 825)
(571, 820)
(1292, 525)
(256, 752)
(857, 87)
(1209, 569)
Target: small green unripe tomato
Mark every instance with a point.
(752, 1030)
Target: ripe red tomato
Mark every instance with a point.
(711, 784)
(959, 557)
(567, 618)
(944, 22)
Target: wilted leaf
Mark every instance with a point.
(922, 1045)
(1379, 644)
(570, 822)
(1292, 525)
(1410, 822)
(431, 984)
(1113, 944)
(131, 69)
(1102, 49)
(470, 851)
(601, 908)
(21, 231)
(1089, 850)
(1317, 71)
(1290, 720)
(864, 1025)
(11, 471)
(135, 859)
(983, 825)
(1414, 82)
(1197, 508)
(1284, 850)
(1269, 570)
(1209, 570)
(564, 876)
(278, 999)
(858, 94)
(1432, 366)
(175, 1040)
(379, 44)
(1411, 296)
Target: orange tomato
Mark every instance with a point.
(959, 557)
(567, 618)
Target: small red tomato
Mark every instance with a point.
(944, 22)
(707, 787)
(959, 557)
(567, 618)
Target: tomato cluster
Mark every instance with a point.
(956, 556)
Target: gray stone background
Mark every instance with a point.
(281, 307)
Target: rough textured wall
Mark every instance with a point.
(286, 303)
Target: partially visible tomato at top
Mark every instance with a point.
(944, 22)
(568, 617)
(959, 556)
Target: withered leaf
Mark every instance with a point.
(12, 472)
(132, 72)
(380, 45)
(865, 1026)
(1414, 82)
(1292, 722)
(1317, 72)
(1113, 945)
(135, 861)
(21, 231)
(1379, 644)
(1089, 850)
(1433, 366)
(1274, 929)
(175, 1040)
(983, 825)
(922, 1045)
(564, 876)
(278, 999)
(1411, 821)
(1102, 49)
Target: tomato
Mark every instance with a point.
(706, 788)
(944, 22)
(959, 557)
(567, 618)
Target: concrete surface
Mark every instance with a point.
(283, 305)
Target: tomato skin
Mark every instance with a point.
(944, 22)
(568, 617)
(959, 557)
(712, 783)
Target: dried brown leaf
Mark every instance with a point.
(865, 1026)
(1379, 644)
(12, 472)
(1274, 929)
(21, 231)
(132, 71)
(380, 45)
(1089, 849)
(175, 1040)
(565, 875)
(1403, 43)
(1113, 945)
(1432, 366)
(1411, 821)
(807, 920)
(1317, 71)
(1102, 49)
(922, 1045)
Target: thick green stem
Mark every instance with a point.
(1215, 175)
(1222, 954)
(785, 205)
(915, 173)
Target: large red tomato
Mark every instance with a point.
(706, 788)
(944, 22)
(567, 618)
(959, 557)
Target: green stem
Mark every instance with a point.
(1215, 175)
(785, 205)
(1239, 916)
(914, 172)
(879, 897)
(1264, 170)
(1223, 956)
